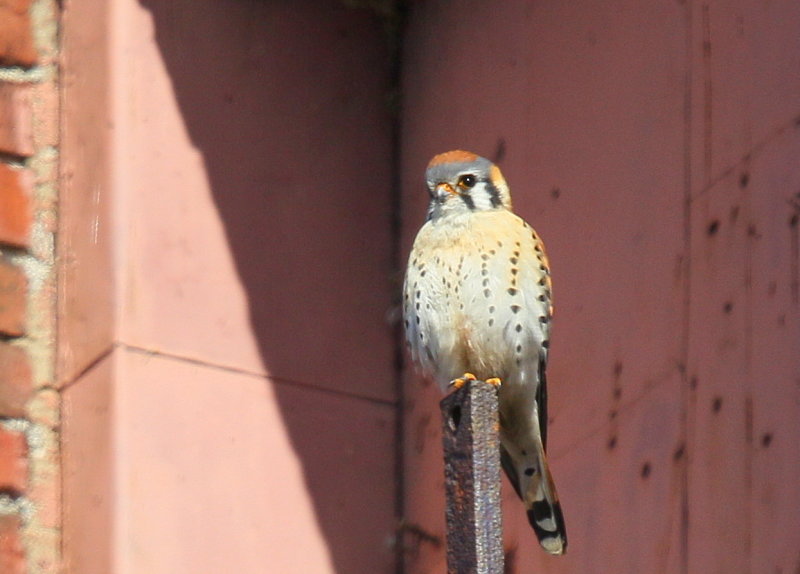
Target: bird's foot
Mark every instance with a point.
(494, 381)
(462, 380)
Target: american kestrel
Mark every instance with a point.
(477, 304)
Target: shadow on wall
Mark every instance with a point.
(286, 103)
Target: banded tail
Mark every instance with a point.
(531, 478)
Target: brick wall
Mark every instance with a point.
(29, 516)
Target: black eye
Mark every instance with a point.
(468, 181)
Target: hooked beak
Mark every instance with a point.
(444, 189)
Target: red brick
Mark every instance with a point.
(16, 381)
(15, 205)
(12, 553)
(16, 129)
(13, 461)
(16, 38)
(13, 288)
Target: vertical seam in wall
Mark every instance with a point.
(686, 390)
(708, 96)
(396, 43)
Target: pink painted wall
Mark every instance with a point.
(655, 148)
(230, 397)
(226, 278)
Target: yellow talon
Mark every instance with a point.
(494, 381)
(462, 380)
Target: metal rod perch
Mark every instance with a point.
(472, 480)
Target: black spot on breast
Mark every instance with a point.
(546, 343)
(486, 282)
(543, 319)
(529, 471)
(484, 257)
(515, 308)
(519, 348)
(487, 293)
(512, 291)
(518, 328)
(491, 322)
(513, 260)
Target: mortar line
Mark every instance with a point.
(247, 372)
(99, 358)
(622, 410)
(755, 151)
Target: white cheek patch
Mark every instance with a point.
(481, 197)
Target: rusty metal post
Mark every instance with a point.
(472, 480)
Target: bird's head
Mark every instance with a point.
(462, 182)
